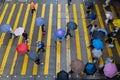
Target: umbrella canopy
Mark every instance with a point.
(5, 28)
(92, 16)
(39, 21)
(116, 22)
(98, 44)
(98, 35)
(77, 66)
(97, 53)
(60, 33)
(109, 15)
(90, 68)
(19, 31)
(110, 70)
(72, 25)
(62, 75)
(22, 48)
(102, 30)
(33, 55)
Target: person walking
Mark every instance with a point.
(32, 5)
(69, 2)
(25, 36)
(40, 46)
(43, 29)
(68, 33)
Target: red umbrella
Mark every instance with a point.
(22, 48)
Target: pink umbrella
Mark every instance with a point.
(110, 70)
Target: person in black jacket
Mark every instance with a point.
(68, 33)
(25, 36)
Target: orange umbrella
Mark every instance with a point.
(77, 66)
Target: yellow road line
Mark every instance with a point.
(35, 67)
(68, 56)
(58, 50)
(10, 42)
(25, 62)
(102, 25)
(77, 37)
(116, 41)
(20, 39)
(3, 12)
(86, 33)
(46, 68)
(8, 22)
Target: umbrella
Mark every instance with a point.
(98, 35)
(116, 22)
(110, 70)
(77, 66)
(5, 28)
(109, 15)
(97, 53)
(33, 55)
(62, 75)
(39, 21)
(19, 31)
(102, 30)
(98, 44)
(72, 25)
(90, 68)
(60, 33)
(92, 16)
(22, 48)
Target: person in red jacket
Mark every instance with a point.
(32, 5)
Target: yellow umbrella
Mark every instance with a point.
(116, 22)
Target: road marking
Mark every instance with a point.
(20, 39)
(116, 41)
(8, 21)
(86, 33)
(24, 67)
(58, 50)
(46, 67)
(102, 26)
(68, 56)
(77, 38)
(11, 40)
(35, 67)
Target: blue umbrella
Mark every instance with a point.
(39, 21)
(72, 25)
(90, 68)
(98, 44)
(102, 30)
(92, 16)
(60, 33)
(5, 28)
(98, 35)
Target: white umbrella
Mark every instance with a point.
(109, 15)
(97, 53)
(19, 31)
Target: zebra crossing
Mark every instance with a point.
(57, 55)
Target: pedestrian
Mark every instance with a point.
(25, 36)
(93, 28)
(40, 46)
(68, 33)
(12, 35)
(110, 41)
(109, 17)
(107, 3)
(69, 2)
(32, 5)
(43, 29)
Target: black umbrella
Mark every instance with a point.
(33, 55)
(72, 25)
(98, 35)
(62, 75)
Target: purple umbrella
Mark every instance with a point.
(60, 33)
(110, 70)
